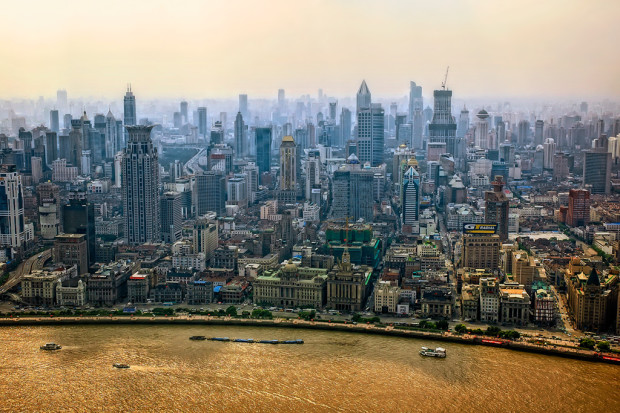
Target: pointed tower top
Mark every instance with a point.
(363, 89)
(593, 278)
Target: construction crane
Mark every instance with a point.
(445, 79)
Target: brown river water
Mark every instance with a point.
(332, 371)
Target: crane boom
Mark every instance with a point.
(445, 79)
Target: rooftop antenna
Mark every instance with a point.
(445, 79)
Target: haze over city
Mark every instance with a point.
(299, 206)
(216, 49)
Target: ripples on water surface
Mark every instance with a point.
(331, 372)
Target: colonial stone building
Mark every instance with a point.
(347, 285)
(292, 286)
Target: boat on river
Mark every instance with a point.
(51, 346)
(438, 352)
(197, 338)
(121, 365)
(243, 340)
(219, 339)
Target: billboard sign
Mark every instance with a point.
(487, 229)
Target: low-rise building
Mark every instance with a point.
(470, 302)
(437, 302)
(386, 298)
(71, 296)
(489, 300)
(291, 286)
(544, 307)
(39, 287)
(514, 304)
(199, 292)
(169, 292)
(138, 288)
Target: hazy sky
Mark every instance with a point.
(213, 48)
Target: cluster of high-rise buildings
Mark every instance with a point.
(351, 204)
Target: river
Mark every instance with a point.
(332, 371)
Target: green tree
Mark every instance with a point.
(492, 331)
(603, 345)
(587, 342)
(231, 311)
(442, 325)
(356, 317)
(460, 328)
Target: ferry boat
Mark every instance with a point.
(438, 352)
(51, 346)
(243, 340)
(219, 339)
(197, 338)
(121, 366)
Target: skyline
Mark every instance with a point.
(200, 50)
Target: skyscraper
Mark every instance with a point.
(597, 170)
(548, 154)
(61, 100)
(523, 132)
(482, 130)
(140, 187)
(263, 149)
(288, 170)
(416, 114)
(183, 110)
(345, 126)
(463, 125)
(578, 208)
(363, 97)
(171, 217)
(54, 121)
(129, 114)
(243, 105)
(209, 192)
(78, 217)
(240, 136)
(370, 134)
(51, 147)
(313, 174)
(442, 128)
(497, 207)
(352, 194)
(12, 228)
(112, 141)
(202, 122)
(411, 201)
(538, 132)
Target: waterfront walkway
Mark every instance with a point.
(389, 330)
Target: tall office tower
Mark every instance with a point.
(205, 237)
(12, 228)
(597, 170)
(36, 168)
(281, 101)
(184, 115)
(243, 105)
(411, 202)
(333, 107)
(140, 187)
(129, 113)
(496, 207)
(548, 154)
(481, 136)
(401, 119)
(370, 134)
(313, 174)
(311, 135)
(54, 121)
(26, 138)
(177, 120)
(240, 136)
(481, 251)
(501, 132)
(562, 165)
(288, 170)
(78, 217)
(66, 122)
(61, 100)
(263, 149)
(352, 193)
(171, 224)
(463, 125)
(523, 132)
(111, 138)
(237, 191)
(251, 173)
(301, 138)
(538, 132)
(217, 134)
(75, 144)
(209, 192)
(416, 114)
(202, 122)
(51, 147)
(363, 97)
(578, 208)
(345, 125)
(224, 120)
(442, 128)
